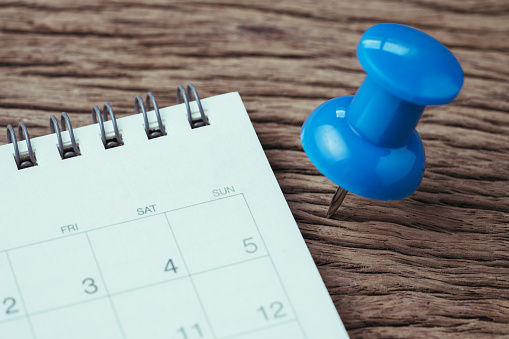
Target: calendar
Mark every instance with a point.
(182, 236)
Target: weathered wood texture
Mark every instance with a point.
(433, 265)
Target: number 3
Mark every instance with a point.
(90, 286)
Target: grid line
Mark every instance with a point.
(21, 296)
(105, 287)
(275, 269)
(191, 279)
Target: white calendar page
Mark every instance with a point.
(184, 236)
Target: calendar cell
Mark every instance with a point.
(57, 273)
(95, 319)
(170, 310)
(16, 329)
(11, 305)
(243, 297)
(216, 234)
(137, 253)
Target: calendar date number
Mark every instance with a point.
(170, 267)
(273, 311)
(90, 286)
(10, 305)
(193, 331)
(250, 246)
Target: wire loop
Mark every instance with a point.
(66, 124)
(138, 104)
(182, 94)
(23, 135)
(191, 91)
(117, 141)
(96, 116)
(11, 137)
(150, 98)
(55, 128)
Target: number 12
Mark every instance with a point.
(275, 311)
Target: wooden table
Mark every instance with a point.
(435, 264)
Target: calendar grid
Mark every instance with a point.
(275, 269)
(21, 296)
(106, 288)
(133, 289)
(108, 295)
(191, 279)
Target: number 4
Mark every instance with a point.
(170, 266)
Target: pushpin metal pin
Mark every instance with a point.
(367, 143)
(336, 201)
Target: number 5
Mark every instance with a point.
(250, 246)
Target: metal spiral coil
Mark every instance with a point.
(138, 104)
(191, 91)
(96, 117)
(65, 153)
(55, 128)
(29, 160)
(66, 124)
(11, 137)
(23, 135)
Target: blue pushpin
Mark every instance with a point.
(367, 143)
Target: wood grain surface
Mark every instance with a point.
(434, 265)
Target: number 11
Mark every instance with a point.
(196, 329)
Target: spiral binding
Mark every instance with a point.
(21, 162)
(66, 152)
(181, 93)
(138, 102)
(96, 116)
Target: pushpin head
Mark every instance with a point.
(410, 64)
(368, 144)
